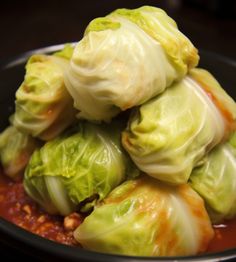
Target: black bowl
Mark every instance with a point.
(16, 241)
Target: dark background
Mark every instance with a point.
(26, 25)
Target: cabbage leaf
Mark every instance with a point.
(43, 106)
(16, 149)
(169, 135)
(144, 217)
(78, 168)
(124, 59)
(215, 181)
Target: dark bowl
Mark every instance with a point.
(16, 241)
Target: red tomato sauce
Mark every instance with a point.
(18, 208)
(225, 236)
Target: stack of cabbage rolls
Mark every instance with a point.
(125, 128)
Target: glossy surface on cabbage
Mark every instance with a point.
(16, 149)
(126, 58)
(168, 136)
(145, 217)
(77, 169)
(215, 181)
(43, 107)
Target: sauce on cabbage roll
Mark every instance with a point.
(18, 208)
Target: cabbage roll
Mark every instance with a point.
(126, 58)
(170, 134)
(144, 217)
(215, 181)
(77, 169)
(16, 149)
(43, 107)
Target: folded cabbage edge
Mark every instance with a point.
(156, 23)
(144, 217)
(215, 181)
(224, 103)
(78, 168)
(170, 134)
(124, 59)
(43, 106)
(16, 149)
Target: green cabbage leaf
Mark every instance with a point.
(43, 106)
(77, 169)
(144, 217)
(126, 58)
(169, 135)
(16, 149)
(215, 181)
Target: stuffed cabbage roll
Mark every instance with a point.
(144, 217)
(16, 149)
(215, 181)
(170, 134)
(124, 59)
(78, 168)
(43, 107)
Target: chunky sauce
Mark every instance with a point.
(17, 207)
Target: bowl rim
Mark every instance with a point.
(34, 241)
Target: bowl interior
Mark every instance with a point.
(11, 75)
